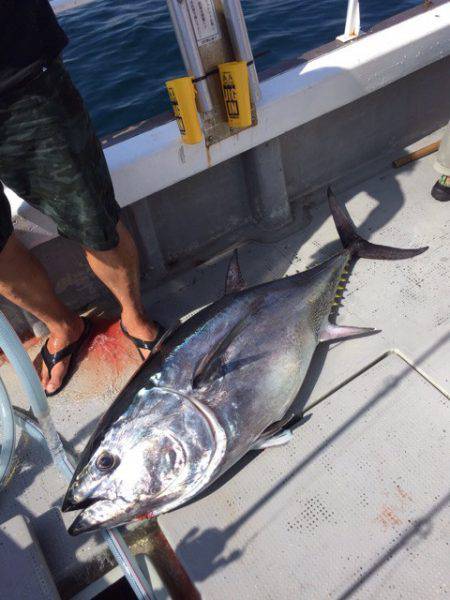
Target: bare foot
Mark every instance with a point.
(59, 338)
(140, 327)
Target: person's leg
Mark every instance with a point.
(118, 269)
(77, 193)
(79, 197)
(24, 281)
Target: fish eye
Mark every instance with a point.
(106, 461)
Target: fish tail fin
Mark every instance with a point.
(358, 246)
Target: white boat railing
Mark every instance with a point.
(352, 22)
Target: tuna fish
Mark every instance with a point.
(220, 385)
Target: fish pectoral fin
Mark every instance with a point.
(234, 281)
(279, 433)
(333, 332)
(210, 365)
(278, 439)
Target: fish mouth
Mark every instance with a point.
(96, 514)
(103, 514)
(73, 500)
(82, 524)
(70, 504)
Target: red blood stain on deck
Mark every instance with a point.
(403, 494)
(106, 361)
(108, 348)
(388, 517)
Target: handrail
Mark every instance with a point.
(352, 22)
(22, 365)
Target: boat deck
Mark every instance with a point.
(357, 504)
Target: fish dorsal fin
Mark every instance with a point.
(210, 364)
(234, 282)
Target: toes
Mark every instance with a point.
(57, 376)
(44, 376)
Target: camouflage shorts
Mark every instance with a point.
(51, 157)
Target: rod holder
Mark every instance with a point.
(240, 41)
(189, 51)
(236, 93)
(182, 97)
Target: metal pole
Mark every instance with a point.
(22, 365)
(189, 51)
(8, 438)
(352, 21)
(240, 41)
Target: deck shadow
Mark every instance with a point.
(208, 546)
(263, 261)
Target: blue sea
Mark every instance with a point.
(121, 53)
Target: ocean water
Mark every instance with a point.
(121, 53)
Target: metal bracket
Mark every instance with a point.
(352, 22)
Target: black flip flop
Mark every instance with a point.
(50, 360)
(441, 192)
(142, 344)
